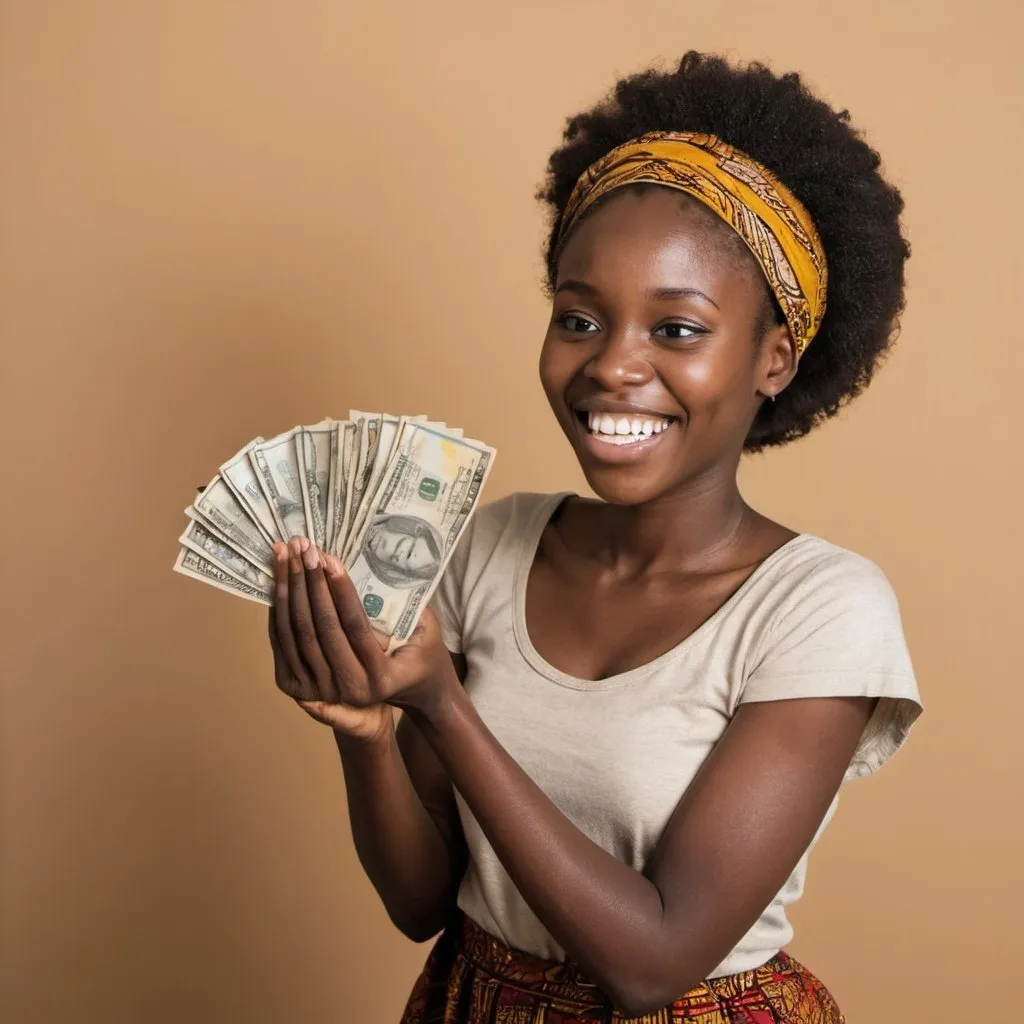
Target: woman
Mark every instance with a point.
(629, 718)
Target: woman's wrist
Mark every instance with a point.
(439, 702)
(359, 744)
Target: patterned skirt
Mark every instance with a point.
(472, 978)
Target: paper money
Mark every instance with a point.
(221, 511)
(277, 473)
(413, 523)
(224, 556)
(189, 563)
(376, 462)
(341, 493)
(314, 449)
(365, 444)
(240, 476)
(390, 495)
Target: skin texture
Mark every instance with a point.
(615, 584)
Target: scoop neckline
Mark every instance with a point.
(527, 555)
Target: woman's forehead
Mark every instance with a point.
(659, 235)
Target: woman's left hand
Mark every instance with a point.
(321, 623)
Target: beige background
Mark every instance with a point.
(222, 218)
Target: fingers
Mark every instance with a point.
(303, 557)
(361, 636)
(282, 673)
(282, 635)
(333, 642)
(325, 649)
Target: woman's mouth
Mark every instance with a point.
(617, 437)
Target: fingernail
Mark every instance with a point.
(310, 557)
(304, 543)
(335, 568)
(295, 546)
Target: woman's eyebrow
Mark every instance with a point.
(682, 293)
(583, 288)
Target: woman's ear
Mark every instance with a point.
(777, 360)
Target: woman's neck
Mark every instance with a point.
(691, 530)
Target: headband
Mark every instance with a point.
(776, 227)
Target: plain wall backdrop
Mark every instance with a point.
(221, 218)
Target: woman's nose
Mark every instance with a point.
(620, 362)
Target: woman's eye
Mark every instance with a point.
(576, 324)
(678, 332)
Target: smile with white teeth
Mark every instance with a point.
(623, 429)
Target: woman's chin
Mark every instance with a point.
(618, 486)
(626, 471)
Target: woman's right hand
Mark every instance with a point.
(309, 685)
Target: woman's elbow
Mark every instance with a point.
(420, 920)
(636, 1002)
(418, 931)
(635, 996)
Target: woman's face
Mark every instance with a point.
(657, 345)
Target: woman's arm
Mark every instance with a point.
(405, 825)
(401, 806)
(734, 838)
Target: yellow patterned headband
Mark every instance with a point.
(775, 225)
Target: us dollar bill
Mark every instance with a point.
(314, 450)
(190, 563)
(413, 522)
(364, 445)
(343, 447)
(375, 462)
(240, 476)
(224, 556)
(222, 513)
(219, 535)
(277, 473)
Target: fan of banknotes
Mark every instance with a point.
(388, 495)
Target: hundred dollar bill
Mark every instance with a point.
(223, 556)
(314, 450)
(381, 447)
(192, 514)
(277, 472)
(357, 441)
(367, 440)
(415, 519)
(222, 513)
(333, 467)
(375, 464)
(189, 563)
(340, 476)
(240, 476)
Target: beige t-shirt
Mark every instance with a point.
(616, 755)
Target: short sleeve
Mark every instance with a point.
(447, 601)
(838, 633)
(469, 561)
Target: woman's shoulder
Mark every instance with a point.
(809, 564)
(499, 527)
(828, 624)
(519, 512)
(819, 596)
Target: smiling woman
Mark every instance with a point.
(628, 719)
